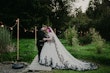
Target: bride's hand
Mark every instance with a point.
(44, 39)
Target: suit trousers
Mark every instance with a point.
(39, 51)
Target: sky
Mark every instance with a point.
(83, 4)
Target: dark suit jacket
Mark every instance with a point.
(40, 36)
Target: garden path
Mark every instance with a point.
(35, 66)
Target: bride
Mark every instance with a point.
(55, 55)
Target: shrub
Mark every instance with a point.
(72, 37)
(5, 40)
(70, 33)
(97, 40)
(75, 43)
(87, 39)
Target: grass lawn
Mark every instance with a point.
(87, 52)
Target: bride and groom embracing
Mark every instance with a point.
(52, 53)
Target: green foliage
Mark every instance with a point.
(34, 12)
(72, 38)
(84, 40)
(38, 12)
(100, 17)
(75, 42)
(71, 35)
(5, 40)
(27, 51)
(97, 40)
(9, 56)
(87, 52)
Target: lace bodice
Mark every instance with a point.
(50, 37)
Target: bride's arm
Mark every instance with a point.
(48, 39)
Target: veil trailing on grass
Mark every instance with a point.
(67, 59)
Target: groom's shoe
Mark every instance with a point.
(30, 70)
(33, 70)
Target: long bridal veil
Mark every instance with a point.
(69, 61)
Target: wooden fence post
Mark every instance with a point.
(17, 22)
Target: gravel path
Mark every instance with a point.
(7, 68)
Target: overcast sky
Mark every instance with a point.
(81, 3)
(84, 4)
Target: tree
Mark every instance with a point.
(33, 12)
(100, 17)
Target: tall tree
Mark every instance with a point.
(100, 17)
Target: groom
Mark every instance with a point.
(40, 42)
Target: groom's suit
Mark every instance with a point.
(40, 42)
